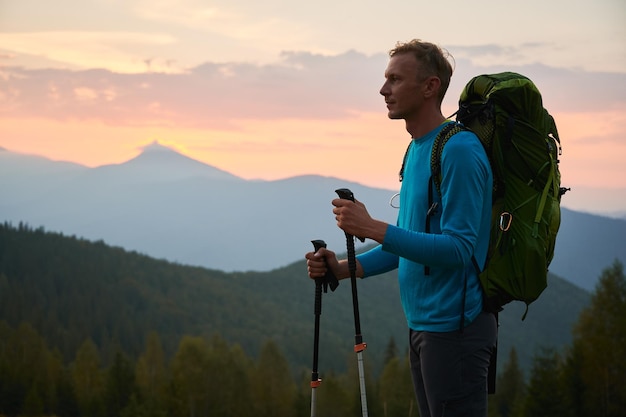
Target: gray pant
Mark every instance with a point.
(449, 369)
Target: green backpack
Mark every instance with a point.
(506, 112)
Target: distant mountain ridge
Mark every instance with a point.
(170, 206)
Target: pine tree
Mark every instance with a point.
(190, 377)
(151, 375)
(273, 389)
(600, 334)
(396, 389)
(87, 379)
(573, 384)
(509, 395)
(545, 394)
(229, 383)
(66, 402)
(120, 385)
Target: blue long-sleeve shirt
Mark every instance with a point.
(459, 230)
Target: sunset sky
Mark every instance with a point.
(272, 89)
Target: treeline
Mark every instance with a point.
(70, 289)
(212, 378)
(586, 379)
(203, 378)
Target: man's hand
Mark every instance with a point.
(318, 263)
(353, 218)
(324, 259)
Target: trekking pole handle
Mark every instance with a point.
(318, 244)
(346, 194)
(329, 279)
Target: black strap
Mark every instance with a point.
(492, 371)
(493, 362)
(432, 209)
(406, 154)
(475, 263)
(462, 319)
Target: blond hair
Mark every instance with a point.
(433, 61)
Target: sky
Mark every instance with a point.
(274, 89)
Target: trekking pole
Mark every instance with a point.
(325, 281)
(359, 345)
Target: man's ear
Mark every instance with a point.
(431, 87)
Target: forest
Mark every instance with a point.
(45, 371)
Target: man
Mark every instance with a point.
(451, 337)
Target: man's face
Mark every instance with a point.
(402, 89)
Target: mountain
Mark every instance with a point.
(160, 164)
(585, 245)
(71, 289)
(172, 207)
(24, 178)
(612, 201)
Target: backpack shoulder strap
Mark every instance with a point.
(442, 138)
(435, 167)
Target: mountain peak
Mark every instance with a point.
(156, 147)
(156, 153)
(158, 161)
